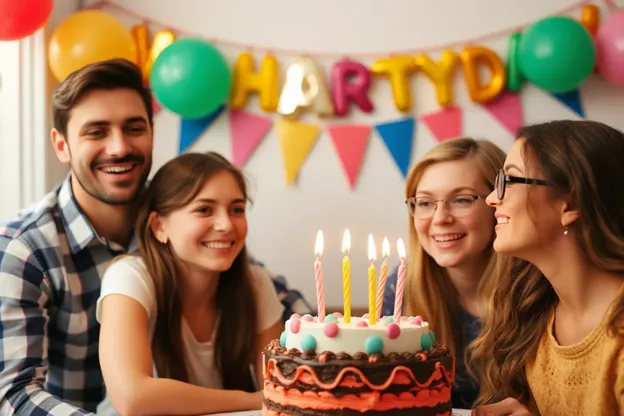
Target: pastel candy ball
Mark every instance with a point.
(432, 336)
(418, 320)
(404, 318)
(337, 314)
(283, 339)
(410, 318)
(295, 316)
(425, 342)
(307, 318)
(373, 345)
(330, 329)
(365, 316)
(308, 343)
(331, 318)
(393, 331)
(389, 320)
(361, 324)
(295, 325)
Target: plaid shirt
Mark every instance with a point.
(51, 264)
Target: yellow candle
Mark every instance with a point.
(372, 280)
(346, 276)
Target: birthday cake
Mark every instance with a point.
(333, 368)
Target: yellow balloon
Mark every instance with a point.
(472, 58)
(397, 69)
(146, 52)
(264, 82)
(440, 74)
(86, 37)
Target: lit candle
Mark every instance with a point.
(318, 276)
(372, 256)
(346, 276)
(385, 252)
(398, 299)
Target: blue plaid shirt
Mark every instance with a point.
(51, 264)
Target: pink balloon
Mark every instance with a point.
(610, 46)
(350, 82)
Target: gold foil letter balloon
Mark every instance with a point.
(146, 53)
(305, 87)
(264, 82)
(397, 69)
(474, 56)
(440, 74)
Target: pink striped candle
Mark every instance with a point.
(318, 276)
(398, 297)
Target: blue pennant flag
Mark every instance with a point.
(572, 100)
(398, 136)
(192, 129)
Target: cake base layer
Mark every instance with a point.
(327, 384)
(274, 409)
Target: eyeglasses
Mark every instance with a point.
(460, 205)
(502, 180)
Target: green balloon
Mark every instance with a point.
(191, 78)
(556, 54)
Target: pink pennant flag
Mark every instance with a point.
(155, 106)
(247, 130)
(507, 109)
(444, 124)
(350, 143)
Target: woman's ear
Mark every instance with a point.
(569, 214)
(156, 224)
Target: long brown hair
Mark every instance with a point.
(430, 292)
(174, 186)
(583, 161)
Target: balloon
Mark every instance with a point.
(590, 18)
(397, 70)
(556, 54)
(441, 74)
(514, 75)
(146, 53)
(610, 44)
(350, 82)
(86, 37)
(474, 56)
(265, 82)
(191, 78)
(20, 18)
(304, 88)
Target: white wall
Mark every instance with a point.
(284, 222)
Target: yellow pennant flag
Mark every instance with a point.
(296, 141)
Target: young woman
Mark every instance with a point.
(553, 342)
(184, 320)
(452, 269)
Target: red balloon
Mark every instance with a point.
(22, 18)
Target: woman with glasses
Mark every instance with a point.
(553, 340)
(452, 268)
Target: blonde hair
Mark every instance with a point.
(430, 293)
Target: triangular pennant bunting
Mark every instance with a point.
(445, 124)
(192, 129)
(155, 106)
(297, 139)
(398, 136)
(572, 100)
(247, 131)
(507, 109)
(350, 144)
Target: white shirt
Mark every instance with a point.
(128, 276)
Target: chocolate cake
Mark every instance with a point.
(333, 368)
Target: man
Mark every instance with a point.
(52, 257)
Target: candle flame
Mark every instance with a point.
(372, 252)
(346, 242)
(401, 249)
(385, 247)
(318, 247)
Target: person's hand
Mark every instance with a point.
(507, 407)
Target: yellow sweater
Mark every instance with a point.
(584, 379)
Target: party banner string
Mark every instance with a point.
(251, 47)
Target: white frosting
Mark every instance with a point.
(351, 338)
